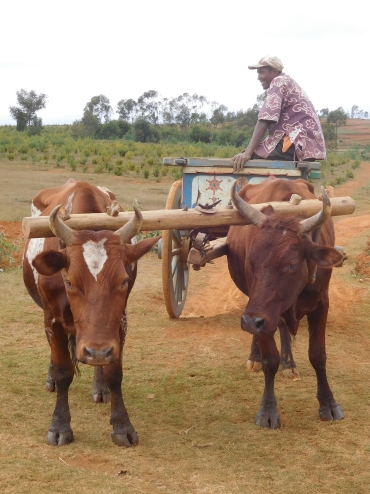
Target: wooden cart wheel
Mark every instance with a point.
(175, 268)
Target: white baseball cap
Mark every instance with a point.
(268, 61)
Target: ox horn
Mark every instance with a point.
(59, 228)
(131, 228)
(253, 215)
(310, 224)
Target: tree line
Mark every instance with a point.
(152, 118)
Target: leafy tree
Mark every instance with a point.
(29, 102)
(35, 126)
(225, 137)
(337, 118)
(330, 136)
(114, 129)
(149, 106)
(187, 109)
(126, 109)
(144, 132)
(21, 119)
(168, 111)
(247, 118)
(90, 122)
(334, 120)
(200, 133)
(219, 116)
(99, 106)
(324, 112)
(354, 111)
(124, 127)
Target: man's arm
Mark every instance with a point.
(260, 129)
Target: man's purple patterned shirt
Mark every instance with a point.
(291, 113)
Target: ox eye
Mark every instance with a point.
(292, 266)
(125, 283)
(68, 284)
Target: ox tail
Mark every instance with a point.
(72, 352)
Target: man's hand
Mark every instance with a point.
(240, 160)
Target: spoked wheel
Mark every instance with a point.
(175, 267)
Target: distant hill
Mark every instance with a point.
(357, 131)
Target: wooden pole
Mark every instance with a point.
(178, 219)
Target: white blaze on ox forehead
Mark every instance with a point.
(95, 256)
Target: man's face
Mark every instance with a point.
(266, 75)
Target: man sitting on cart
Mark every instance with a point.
(289, 117)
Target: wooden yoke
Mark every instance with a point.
(178, 219)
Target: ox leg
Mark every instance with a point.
(50, 382)
(329, 408)
(100, 390)
(254, 363)
(123, 433)
(60, 432)
(268, 415)
(286, 356)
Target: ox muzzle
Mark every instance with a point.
(254, 325)
(93, 356)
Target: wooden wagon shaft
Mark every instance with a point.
(178, 219)
(214, 249)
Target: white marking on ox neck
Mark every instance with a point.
(34, 210)
(68, 206)
(35, 246)
(95, 256)
(105, 190)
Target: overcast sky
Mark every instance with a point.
(73, 50)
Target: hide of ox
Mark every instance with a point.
(82, 280)
(286, 275)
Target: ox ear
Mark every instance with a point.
(49, 262)
(135, 251)
(325, 257)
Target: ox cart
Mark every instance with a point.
(205, 186)
(198, 215)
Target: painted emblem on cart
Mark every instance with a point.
(214, 185)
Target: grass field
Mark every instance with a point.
(185, 384)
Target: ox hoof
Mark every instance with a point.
(126, 437)
(331, 412)
(268, 419)
(60, 438)
(291, 373)
(100, 396)
(253, 366)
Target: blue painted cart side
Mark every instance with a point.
(207, 180)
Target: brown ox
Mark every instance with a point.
(286, 277)
(82, 280)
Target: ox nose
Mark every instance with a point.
(253, 325)
(98, 357)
